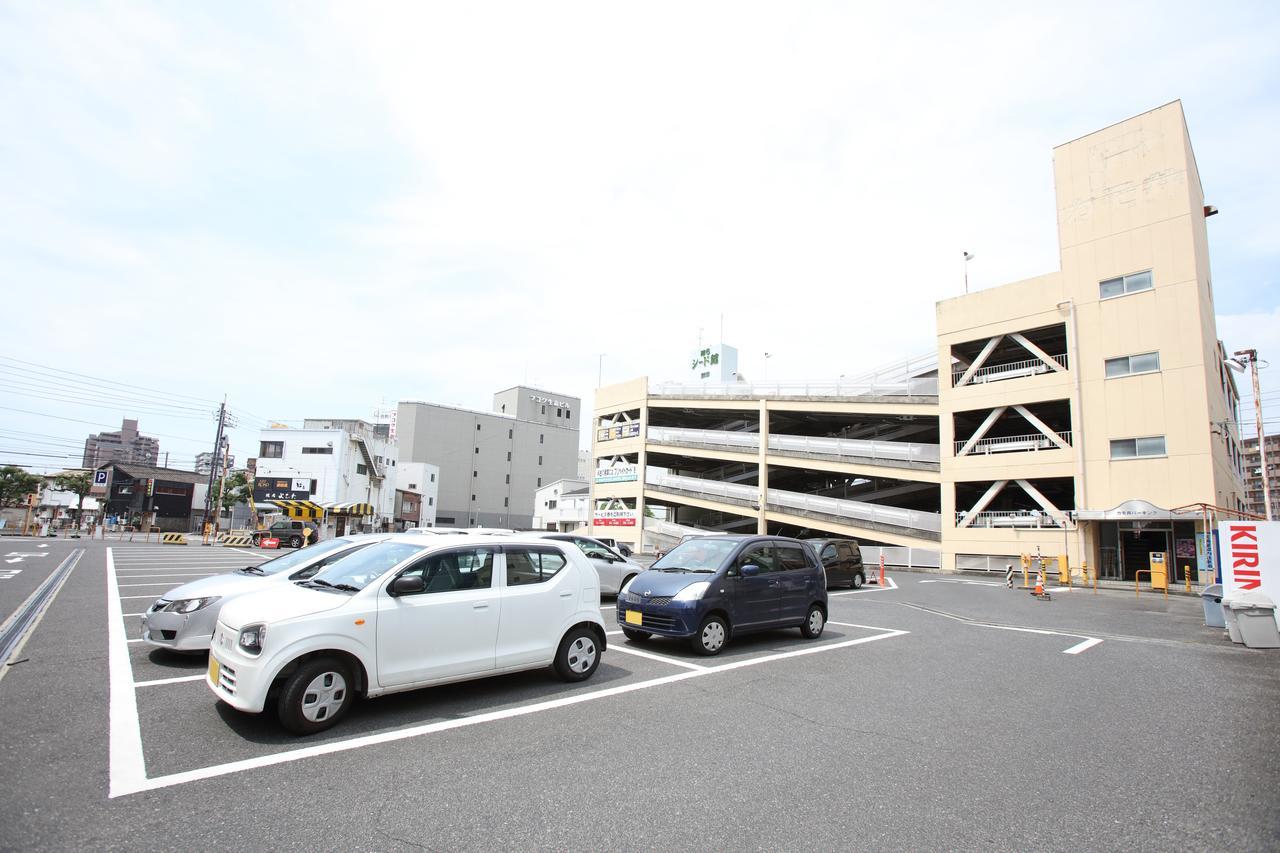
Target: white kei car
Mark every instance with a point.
(409, 612)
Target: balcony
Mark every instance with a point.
(1008, 370)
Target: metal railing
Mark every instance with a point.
(1013, 443)
(898, 451)
(924, 386)
(1020, 518)
(1008, 370)
(854, 511)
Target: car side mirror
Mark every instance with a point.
(750, 570)
(407, 585)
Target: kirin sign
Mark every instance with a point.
(1250, 557)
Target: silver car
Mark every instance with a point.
(613, 568)
(183, 619)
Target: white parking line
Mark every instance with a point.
(178, 680)
(133, 641)
(143, 613)
(152, 597)
(131, 779)
(1081, 647)
(133, 585)
(888, 580)
(663, 658)
(167, 575)
(128, 768)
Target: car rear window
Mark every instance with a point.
(532, 565)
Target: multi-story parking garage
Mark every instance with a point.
(1088, 411)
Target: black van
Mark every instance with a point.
(842, 559)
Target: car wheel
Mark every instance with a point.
(858, 581)
(635, 636)
(257, 540)
(295, 541)
(711, 637)
(578, 655)
(315, 697)
(813, 623)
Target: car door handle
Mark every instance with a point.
(481, 606)
(566, 594)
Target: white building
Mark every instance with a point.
(57, 507)
(561, 506)
(340, 473)
(421, 478)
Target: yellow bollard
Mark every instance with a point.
(1186, 573)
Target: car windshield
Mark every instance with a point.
(368, 564)
(298, 559)
(697, 555)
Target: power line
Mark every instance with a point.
(53, 387)
(201, 441)
(102, 380)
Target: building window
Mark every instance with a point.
(1137, 448)
(473, 497)
(539, 482)
(271, 450)
(475, 474)
(361, 468)
(313, 487)
(405, 506)
(567, 412)
(324, 450)
(508, 479)
(504, 501)
(1128, 365)
(477, 427)
(433, 478)
(539, 460)
(1125, 284)
(431, 501)
(511, 433)
(551, 504)
(508, 455)
(477, 451)
(542, 438)
(558, 413)
(413, 486)
(544, 410)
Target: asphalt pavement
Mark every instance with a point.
(954, 715)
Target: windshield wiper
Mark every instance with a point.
(252, 570)
(673, 569)
(702, 571)
(319, 582)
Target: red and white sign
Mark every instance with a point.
(1250, 557)
(269, 542)
(614, 518)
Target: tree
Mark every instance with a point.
(238, 490)
(78, 483)
(15, 485)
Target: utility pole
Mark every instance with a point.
(222, 485)
(213, 469)
(1252, 356)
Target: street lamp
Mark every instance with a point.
(967, 257)
(767, 356)
(1250, 357)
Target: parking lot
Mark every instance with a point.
(934, 712)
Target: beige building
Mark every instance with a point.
(1078, 412)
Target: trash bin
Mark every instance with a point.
(1229, 617)
(1255, 614)
(1211, 598)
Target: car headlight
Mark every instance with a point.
(252, 637)
(190, 605)
(692, 592)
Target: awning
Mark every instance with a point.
(301, 509)
(351, 509)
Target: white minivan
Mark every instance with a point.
(412, 611)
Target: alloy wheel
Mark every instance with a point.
(324, 696)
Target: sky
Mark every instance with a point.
(318, 209)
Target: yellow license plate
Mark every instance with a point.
(634, 617)
(213, 669)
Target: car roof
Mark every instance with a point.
(467, 537)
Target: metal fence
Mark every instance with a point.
(1008, 370)
(897, 451)
(925, 386)
(1013, 443)
(1028, 518)
(856, 511)
(899, 557)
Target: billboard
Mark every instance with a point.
(621, 473)
(614, 518)
(630, 430)
(1250, 557)
(281, 489)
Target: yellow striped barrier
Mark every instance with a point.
(173, 538)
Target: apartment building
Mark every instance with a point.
(491, 463)
(1253, 476)
(1088, 411)
(123, 445)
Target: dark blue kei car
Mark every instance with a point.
(712, 588)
